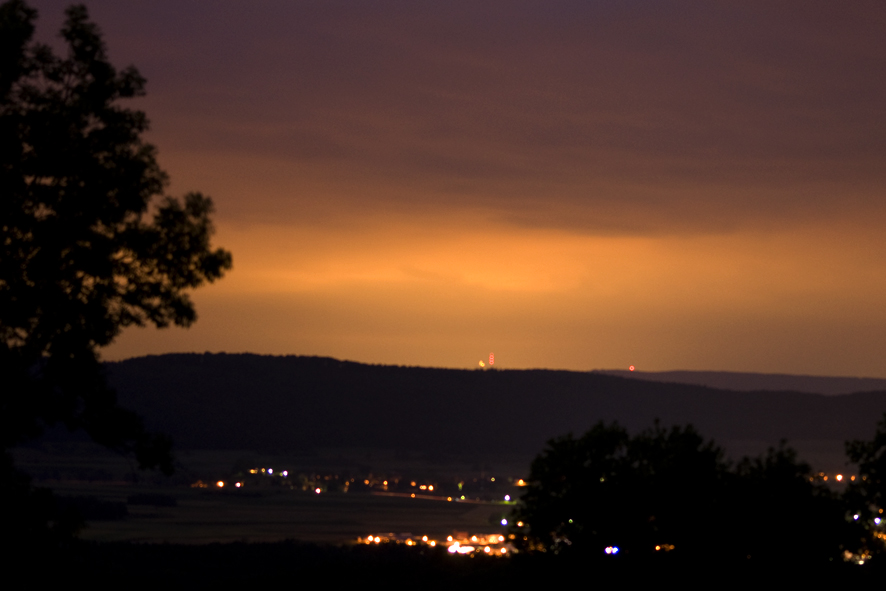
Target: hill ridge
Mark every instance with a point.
(264, 402)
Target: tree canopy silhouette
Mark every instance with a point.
(867, 494)
(670, 492)
(86, 247)
(608, 489)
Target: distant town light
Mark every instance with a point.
(507, 497)
(220, 484)
(839, 478)
(317, 490)
(504, 521)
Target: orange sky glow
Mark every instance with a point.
(571, 185)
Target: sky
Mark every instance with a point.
(570, 185)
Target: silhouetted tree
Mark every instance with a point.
(867, 494)
(606, 488)
(670, 492)
(779, 511)
(83, 250)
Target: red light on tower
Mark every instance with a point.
(491, 359)
(631, 368)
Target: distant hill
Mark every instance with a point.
(285, 404)
(749, 382)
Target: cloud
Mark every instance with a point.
(641, 117)
(638, 180)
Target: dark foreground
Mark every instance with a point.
(394, 566)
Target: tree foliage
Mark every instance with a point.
(867, 494)
(670, 492)
(870, 456)
(607, 488)
(89, 244)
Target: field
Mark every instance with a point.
(254, 514)
(204, 516)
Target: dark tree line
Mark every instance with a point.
(669, 492)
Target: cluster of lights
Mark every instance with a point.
(268, 472)
(492, 545)
(858, 559)
(457, 548)
(612, 550)
(836, 477)
(222, 484)
(432, 491)
(375, 483)
(476, 544)
(863, 557)
(313, 483)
